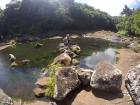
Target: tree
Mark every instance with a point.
(127, 11)
(42, 16)
(130, 24)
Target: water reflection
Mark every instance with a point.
(91, 61)
(19, 82)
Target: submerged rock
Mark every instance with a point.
(25, 61)
(106, 78)
(63, 59)
(133, 84)
(4, 99)
(66, 82)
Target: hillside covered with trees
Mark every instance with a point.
(42, 16)
(130, 22)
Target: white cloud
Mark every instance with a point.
(113, 7)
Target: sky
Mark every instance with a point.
(112, 7)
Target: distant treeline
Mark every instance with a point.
(42, 16)
(129, 23)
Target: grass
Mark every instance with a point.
(122, 33)
(51, 82)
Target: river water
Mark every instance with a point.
(19, 82)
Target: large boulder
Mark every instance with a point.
(106, 77)
(63, 59)
(133, 84)
(4, 99)
(76, 49)
(66, 82)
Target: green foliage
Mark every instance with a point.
(122, 33)
(51, 82)
(131, 24)
(42, 16)
(136, 48)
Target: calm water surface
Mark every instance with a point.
(19, 82)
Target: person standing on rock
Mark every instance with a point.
(66, 40)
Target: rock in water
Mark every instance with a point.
(25, 61)
(133, 84)
(76, 49)
(12, 58)
(106, 78)
(63, 59)
(13, 64)
(4, 99)
(66, 82)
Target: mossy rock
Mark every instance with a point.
(136, 48)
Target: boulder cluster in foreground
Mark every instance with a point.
(69, 77)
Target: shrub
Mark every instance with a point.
(122, 33)
(51, 82)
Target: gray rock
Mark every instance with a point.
(75, 62)
(66, 82)
(25, 61)
(132, 83)
(84, 76)
(4, 99)
(12, 58)
(13, 64)
(39, 92)
(106, 78)
(42, 82)
(39, 45)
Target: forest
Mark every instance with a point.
(42, 16)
